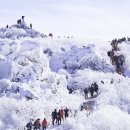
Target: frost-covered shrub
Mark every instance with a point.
(95, 63)
(72, 66)
(80, 59)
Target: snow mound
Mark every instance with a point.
(5, 69)
(17, 31)
(80, 59)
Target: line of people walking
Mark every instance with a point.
(91, 89)
(37, 124)
(57, 118)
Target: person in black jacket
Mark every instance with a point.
(23, 18)
(19, 21)
(66, 111)
(29, 125)
(86, 91)
(37, 124)
(54, 116)
(95, 87)
(92, 90)
(30, 25)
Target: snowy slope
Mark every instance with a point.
(35, 73)
(17, 31)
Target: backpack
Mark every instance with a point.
(86, 90)
(28, 125)
(44, 123)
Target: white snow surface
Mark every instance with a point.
(41, 69)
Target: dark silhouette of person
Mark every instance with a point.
(37, 124)
(92, 90)
(30, 25)
(19, 21)
(23, 18)
(86, 90)
(54, 116)
(95, 87)
(51, 35)
(7, 26)
(66, 111)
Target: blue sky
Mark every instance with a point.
(104, 19)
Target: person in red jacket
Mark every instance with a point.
(59, 116)
(44, 124)
(62, 113)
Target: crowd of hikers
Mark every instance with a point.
(91, 89)
(57, 117)
(19, 22)
(117, 58)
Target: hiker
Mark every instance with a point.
(54, 116)
(37, 124)
(85, 108)
(115, 46)
(112, 57)
(50, 35)
(92, 90)
(118, 66)
(23, 18)
(115, 60)
(110, 53)
(128, 39)
(86, 90)
(121, 60)
(62, 114)
(30, 25)
(19, 21)
(29, 125)
(7, 26)
(44, 124)
(95, 87)
(59, 116)
(81, 108)
(66, 111)
(102, 81)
